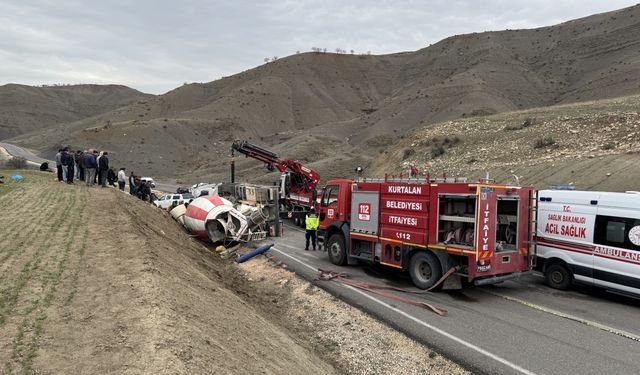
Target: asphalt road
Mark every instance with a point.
(518, 327)
(19, 151)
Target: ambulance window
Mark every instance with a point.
(617, 231)
(330, 195)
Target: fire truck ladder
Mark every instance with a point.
(533, 227)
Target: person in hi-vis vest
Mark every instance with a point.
(312, 222)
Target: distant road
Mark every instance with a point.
(14, 150)
(19, 151)
(167, 188)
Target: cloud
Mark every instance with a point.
(155, 46)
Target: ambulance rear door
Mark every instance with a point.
(565, 230)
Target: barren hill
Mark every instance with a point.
(335, 110)
(25, 109)
(592, 145)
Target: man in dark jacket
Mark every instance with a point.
(65, 159)
(103, 168)
(132, 184)
(90, 167)
(71, 162)
(79, 167)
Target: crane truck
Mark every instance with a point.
(428, 226)
(297, 183)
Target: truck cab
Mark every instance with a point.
(335, 209)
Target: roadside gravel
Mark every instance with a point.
(354, 341)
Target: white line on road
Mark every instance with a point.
(547, 310)
(294, 228)
(422, 323)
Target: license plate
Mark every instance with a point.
(485, 268)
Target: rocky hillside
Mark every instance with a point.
(26, 109)
(334, 111)
(593, 145)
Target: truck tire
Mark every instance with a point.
(337, 250)
(424, 269)
(558, 276)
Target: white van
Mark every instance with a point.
(589, 237)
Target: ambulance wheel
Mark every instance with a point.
(424, 269)
(336, 250)
(558, 276)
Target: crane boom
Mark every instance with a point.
(303, 179)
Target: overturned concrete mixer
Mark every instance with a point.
(214, 218)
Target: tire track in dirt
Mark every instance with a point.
(43, 286)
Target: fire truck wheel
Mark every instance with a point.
(336, 250)
(558, 276)
(424, 269)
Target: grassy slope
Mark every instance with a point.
(93, 281)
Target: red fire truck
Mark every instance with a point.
(427, 227)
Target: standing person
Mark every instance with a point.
(132, 184)
(103, 168)
(59, 164)
(97, 157)
(65, 160)
(90, 167)
(122, 178)
(77, 158)
(312, 222)
(70, 167)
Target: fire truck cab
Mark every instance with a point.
(427, 226)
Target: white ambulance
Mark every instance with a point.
(589, 237)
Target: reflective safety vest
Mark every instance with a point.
(312, 222)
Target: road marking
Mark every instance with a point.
(294, 228)
(418, 321)
(574, 318)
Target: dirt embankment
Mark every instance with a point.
(93, 281)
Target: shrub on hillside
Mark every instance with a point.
(408, 153)
(544, 142)
(17, 162)
(437, 151)
(607, 146)
(529, 121)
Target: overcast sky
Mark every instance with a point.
(156, 45)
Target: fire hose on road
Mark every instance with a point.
(341, 277)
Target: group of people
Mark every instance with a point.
(89, 166)
(137, 187)
(92, 167)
